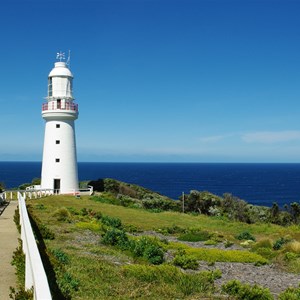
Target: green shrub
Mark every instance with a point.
(279, 243)
(73, 211)
(265, 243)
(148, 248)
(172, 229)
(46, 233)
(17, 219)
(24, 186)
(20, 293)
(138, 246)
(245, 235)
(40, 206)
(84, 212)
(62, 214)
(111, 185)
(185, 261)
(98, 215)
(290, 256)
(228, 244)
(127, 201)
(18, 260)
(61, 256)
(145, 247)
(111, 221)
(116, 237)
(246, 292)
(131, 228)
(266, 252)
(67, 283)
(290, 293)
(154, 254)
(159, 203)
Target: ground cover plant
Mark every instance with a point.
(87, 260)
(213, 255)
(246, 291)
(18, 261)
(99, 250)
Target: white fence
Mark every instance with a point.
(13, 194)
(32, 192)
(36, 191)
(35, 275)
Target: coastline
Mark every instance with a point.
(256, 183)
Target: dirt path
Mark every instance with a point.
(8, 243)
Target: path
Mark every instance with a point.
(8, 243)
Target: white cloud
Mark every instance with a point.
(214, 138)
(269, 137)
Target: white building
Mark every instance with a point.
(59, 167)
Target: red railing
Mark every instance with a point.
(61, 106)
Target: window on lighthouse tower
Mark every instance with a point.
(69, 86)
(50, 87)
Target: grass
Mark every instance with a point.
(145, 220)
(186, 283)
(98, 271)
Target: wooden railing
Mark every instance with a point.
(35, 275)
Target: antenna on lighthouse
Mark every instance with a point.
(68, 63)
(60, 55)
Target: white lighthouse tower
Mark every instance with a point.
(59, 167)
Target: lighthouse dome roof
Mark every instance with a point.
(60, 69)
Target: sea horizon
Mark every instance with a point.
(162, 162)
(256, 183)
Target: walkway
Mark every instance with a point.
(8, 243)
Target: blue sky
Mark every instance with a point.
(157, 80)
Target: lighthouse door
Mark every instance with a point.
(58, 104)
(56, 186)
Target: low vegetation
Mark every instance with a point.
(18, 261)
(246, 291)
(199, 202)
(126, 242)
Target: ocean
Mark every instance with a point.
(260, 184)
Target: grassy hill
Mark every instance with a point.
(97, 248)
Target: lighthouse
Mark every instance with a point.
(59, 166)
